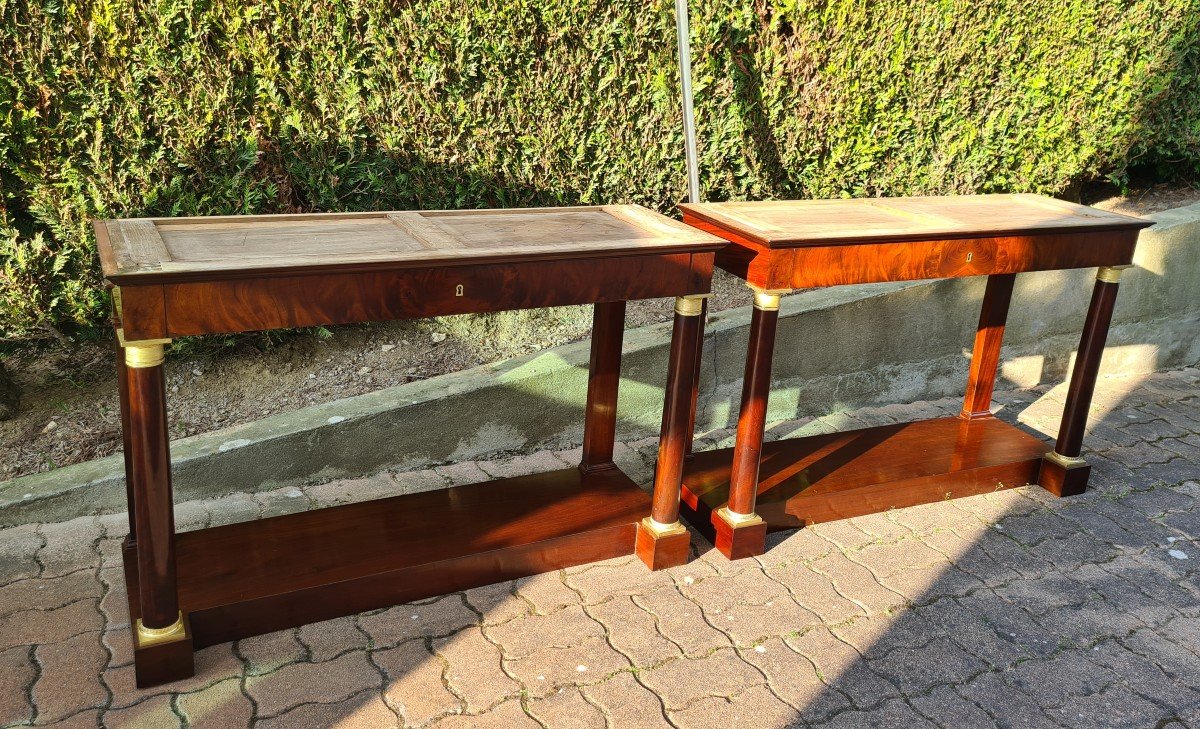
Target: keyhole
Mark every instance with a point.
(969, 257)
(458, 290)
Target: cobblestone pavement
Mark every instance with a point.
(1013, 608)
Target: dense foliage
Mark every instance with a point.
(168, 107)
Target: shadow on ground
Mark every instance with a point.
(1013, 609)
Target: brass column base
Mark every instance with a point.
(739, 535)
(147, 637)
(162, 655)
(1064, 475)
(661, 546)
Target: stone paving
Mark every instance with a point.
(1012, 609)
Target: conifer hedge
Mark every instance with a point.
(172, 107)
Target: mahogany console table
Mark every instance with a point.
(190, 276)
(736, 495)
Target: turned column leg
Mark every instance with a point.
(691, 427)
(739, 531)
(162, 642)
(1063, 472)
(604, 376)
(985, 356)
(662, 540)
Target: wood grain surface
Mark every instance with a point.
(790, 223)
(839, 475)
(273, 302)
(165, 250)
(989, 338)
(254, 577)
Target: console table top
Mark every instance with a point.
(165, 250)
(795, 223)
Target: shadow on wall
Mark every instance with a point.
(890, 343)
(1041, 618)
(926, 612)
(852, 347)
(370, 178)
(1002, 622)
(838, 349)
(896, 135)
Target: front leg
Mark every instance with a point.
(663, 540)
(162, 640)
(739, 531)
(1064, 472)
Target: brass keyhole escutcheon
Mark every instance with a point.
(970, 256)
(458, 290)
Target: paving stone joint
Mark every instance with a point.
(1012, 608)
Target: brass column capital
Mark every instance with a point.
(766, 302)
(143, 353)
(141, 356)
(767, 299)
(690, 305)
(1110, 274)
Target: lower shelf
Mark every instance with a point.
(245, 579)
(827, 477)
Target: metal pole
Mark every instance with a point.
(685, 82)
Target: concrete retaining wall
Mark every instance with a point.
(837, 349)
(885, 343)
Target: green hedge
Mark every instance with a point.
(117, 108)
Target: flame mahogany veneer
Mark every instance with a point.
(196, 276)
(777, 246)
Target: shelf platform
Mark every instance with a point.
(246, 579)
(839, 475)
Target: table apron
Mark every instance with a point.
(253, 304)
(853, 263)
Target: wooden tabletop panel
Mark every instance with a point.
(162, 250)
(794, 223)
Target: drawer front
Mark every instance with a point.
(252, 304)
(814, 266)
